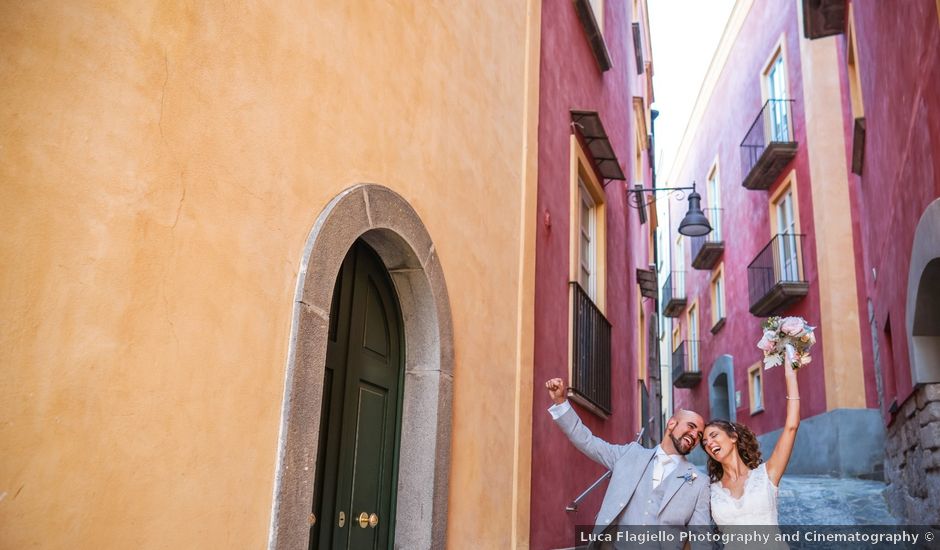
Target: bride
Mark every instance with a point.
(744, 489)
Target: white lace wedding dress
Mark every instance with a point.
(756, 506)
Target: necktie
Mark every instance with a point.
(660, 470)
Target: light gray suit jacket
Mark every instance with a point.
(686, 497)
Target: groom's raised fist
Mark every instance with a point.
(556, 389)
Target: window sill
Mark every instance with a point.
(757, 411)
(586, 404)
(718, 325)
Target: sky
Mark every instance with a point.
(684, 34)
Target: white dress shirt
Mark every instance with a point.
(663, 464)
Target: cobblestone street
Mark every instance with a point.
(822, 500)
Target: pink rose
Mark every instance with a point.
(792, 326)
(766, 344)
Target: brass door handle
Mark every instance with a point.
(368, 520)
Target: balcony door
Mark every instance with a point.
(588, 242)
(693, 338)
(678, 268)
(787, 256)
(777, 93)
(714, 200)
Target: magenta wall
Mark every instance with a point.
(570, 79)
(899, 66)
(734, 104)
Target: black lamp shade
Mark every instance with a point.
(695, 224)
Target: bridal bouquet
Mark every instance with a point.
(786, 340)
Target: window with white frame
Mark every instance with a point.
(756, 386)
(718, 296)
(588, 253)
(678, 267)
(777, 94)
(587, 243)
(788, 256)
(714, 204)
(692, 348)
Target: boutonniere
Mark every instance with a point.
(689, 477)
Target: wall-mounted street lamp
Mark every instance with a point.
(694, 224)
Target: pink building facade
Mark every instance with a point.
(766, 150)
(890, 69)
(591, 321)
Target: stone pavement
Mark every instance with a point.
(822, 500)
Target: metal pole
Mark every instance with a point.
(573, 505)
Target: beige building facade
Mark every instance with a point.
(179, 185)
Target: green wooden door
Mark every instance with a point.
(357, 469)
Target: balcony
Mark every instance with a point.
(590, 360)
(674, 294)
(685, 371)
(775, 278)
(707, 250)
(769, 145)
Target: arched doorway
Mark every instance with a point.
(925, 333)
(720, 407)
(923, 298)
(354, 492)
(384, 221)
(721, 400)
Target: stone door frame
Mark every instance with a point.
(926, 248)
(385, 221)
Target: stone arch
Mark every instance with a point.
(391, 226)
(721, 389)
(923, 298)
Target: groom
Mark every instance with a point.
(648, 486)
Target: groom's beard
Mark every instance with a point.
(681, 445)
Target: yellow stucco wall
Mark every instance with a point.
(161, 165)
(835, 262)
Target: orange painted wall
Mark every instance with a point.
(161, 168)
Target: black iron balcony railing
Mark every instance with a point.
(685, 365)
(674, 294)
(769, 144)
(775, 278)
(590, 363)
(707, 250)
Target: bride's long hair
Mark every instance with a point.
(748, 447)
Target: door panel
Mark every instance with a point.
(368, 464)
(334, 380)
(375, 337)
(356, 466)
(786, 227)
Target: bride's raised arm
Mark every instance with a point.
(779, 459)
